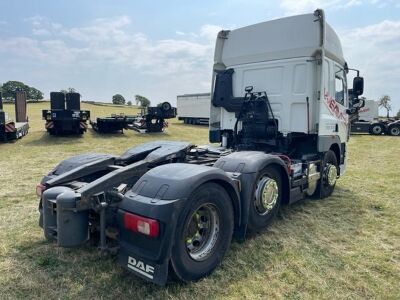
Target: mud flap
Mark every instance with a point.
(150, 271)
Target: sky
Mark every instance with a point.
(161, 49)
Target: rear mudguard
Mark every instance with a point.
(246, 166)
(161, 194)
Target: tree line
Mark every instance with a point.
(9, 89)
(140, 100)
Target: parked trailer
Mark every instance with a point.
(368, 121)
(113, 124)
(151, 119)
(194, 108)
(12, 130)
(65, 115)
(280, 114)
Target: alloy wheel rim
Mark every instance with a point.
(202, 232)
(267, 193)
(331, 174)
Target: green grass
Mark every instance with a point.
(347, 246)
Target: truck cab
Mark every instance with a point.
(298, 63)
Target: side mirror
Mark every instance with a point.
(358, 86)
(248, 89)
(351, 111)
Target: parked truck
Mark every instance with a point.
(368, 121)
(65, 115)
(279, 118)
(194, 108)
(14, 129)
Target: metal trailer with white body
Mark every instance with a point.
(279, 111)
(368, 121)
(194, 108)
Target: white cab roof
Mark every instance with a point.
(290, 37)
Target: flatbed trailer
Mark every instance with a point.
(9, 129)
(65, 115)
(151, 119)
(114, 123)
(169, 206)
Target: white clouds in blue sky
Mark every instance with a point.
(164, 48)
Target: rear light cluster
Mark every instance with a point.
(139, 224)
(40, 189)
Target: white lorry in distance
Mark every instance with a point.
(194, 108)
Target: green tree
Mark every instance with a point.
(34, 94)
(384, 102)
(10, 87)
(129, 103)
(118, 99)
(69, 90)
(142, 101)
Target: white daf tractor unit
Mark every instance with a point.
(279, 116)
(367, 121)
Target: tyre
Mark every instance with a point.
(204, 233)
(267, 199)
(165, 106)
(376, 129)
(394, 130)
(327, 183)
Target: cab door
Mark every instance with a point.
(333, 117)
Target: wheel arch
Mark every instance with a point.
(182, 180)
(336, 149)
(285, 181)
(235, 199)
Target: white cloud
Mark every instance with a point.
(111, 41)
(375, 50)
(42, 26)
(210, 31)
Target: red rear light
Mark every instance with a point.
(40, 189)
(146, 226)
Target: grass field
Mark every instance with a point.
(347, 246)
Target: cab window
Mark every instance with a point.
(339, 86)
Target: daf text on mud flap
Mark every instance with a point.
(140, 267)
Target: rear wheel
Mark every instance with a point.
(329, 176)
(266, 200)
(394, 130)
(376, 129)
(205, 233)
